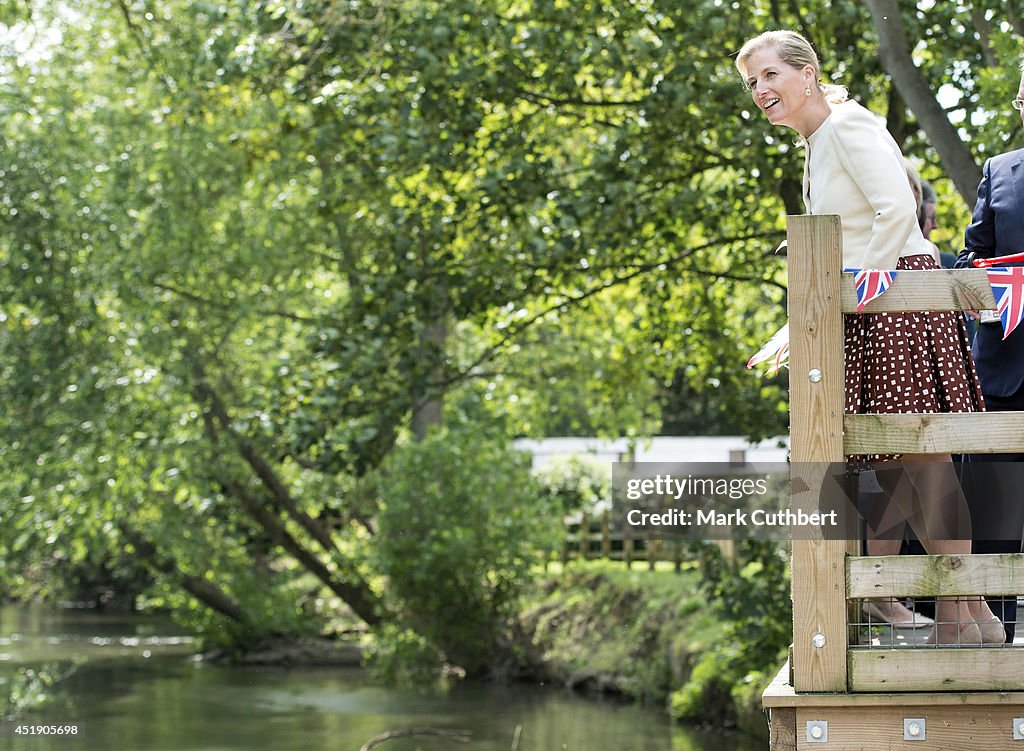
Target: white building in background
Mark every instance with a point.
(668, 449)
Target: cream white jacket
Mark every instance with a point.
(854, 168)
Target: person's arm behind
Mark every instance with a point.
(980, 236)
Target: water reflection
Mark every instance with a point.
(137, 688)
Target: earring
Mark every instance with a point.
(807, 91)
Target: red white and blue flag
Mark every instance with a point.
(871, 283)
(1008, 289)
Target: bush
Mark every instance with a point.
(577, 483)
(462, 522)
(706, 699)
(33, 690)
(752, 593)
(399, 655)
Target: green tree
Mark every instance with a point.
(250, 250)
(460, 528)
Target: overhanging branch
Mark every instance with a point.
(573, 299)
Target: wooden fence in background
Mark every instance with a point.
(594, 537)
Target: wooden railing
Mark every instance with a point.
(829, 574)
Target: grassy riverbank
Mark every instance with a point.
(653, 637)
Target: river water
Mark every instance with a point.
(129, 683)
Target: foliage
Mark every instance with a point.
(280, 599)
(33, 690)
(400, 656)
(462, 525)
(663, 636)
(753, 594)
(636, 633)
(575, 483)
(244, 246)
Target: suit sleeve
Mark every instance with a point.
(980, 237)
(866, 152)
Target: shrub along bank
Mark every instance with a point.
(705, 641)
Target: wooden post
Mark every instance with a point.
(606, 534)
(584, 536)
(782, 729)
(816, 425)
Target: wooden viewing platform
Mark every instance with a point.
(833, 694)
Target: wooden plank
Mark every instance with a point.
(815, 338)
(946, 728)
(941, 289)
(780, 693)
(936, 669)
(782, 729)
(816, 410)
(974, 432)
(935, 576)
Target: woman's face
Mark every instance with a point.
(778, 88)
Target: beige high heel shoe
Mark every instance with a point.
(992, 631)
(894, 613)
(968, 636)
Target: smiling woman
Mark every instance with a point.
(894, 362)
(853, 167)
(782, 76)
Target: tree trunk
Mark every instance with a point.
(204, 392)
(348, 584)
(1013, 16)
(894, 52)
(357, 596)
(200, 588)
(984, 29)
(428, 399)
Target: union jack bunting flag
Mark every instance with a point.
(871, 283)
(1008, 289)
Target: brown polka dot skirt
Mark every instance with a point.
(909, 362)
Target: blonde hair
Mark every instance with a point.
(793, 50)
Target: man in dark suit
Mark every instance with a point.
(992, 482)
